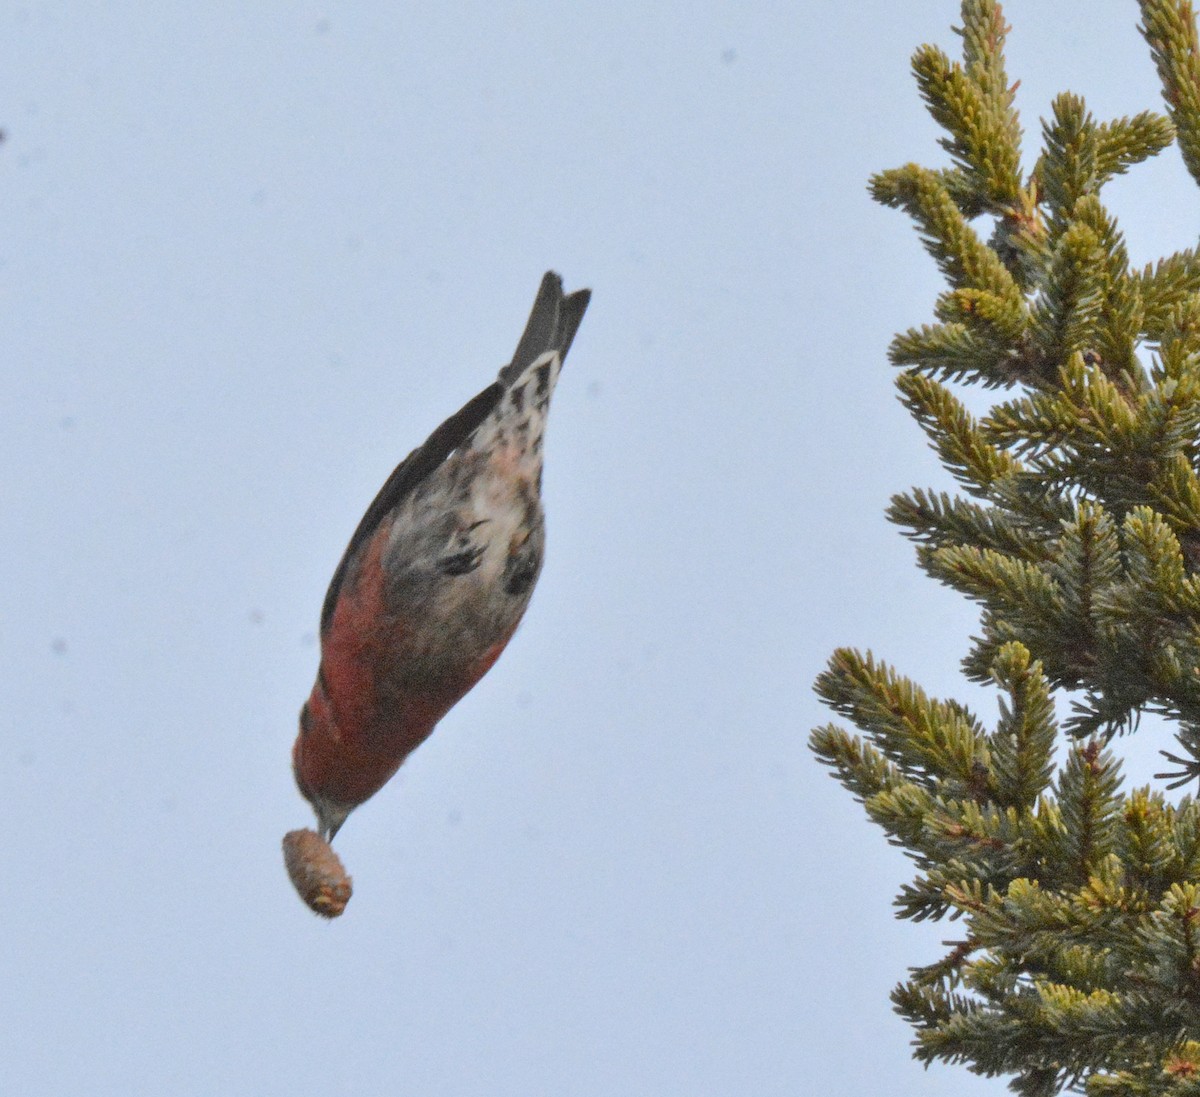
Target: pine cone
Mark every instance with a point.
(316, 872)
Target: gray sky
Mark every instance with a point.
(251, 255)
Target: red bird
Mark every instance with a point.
(436, 578)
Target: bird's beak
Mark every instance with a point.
(330, 818)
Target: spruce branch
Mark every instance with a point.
(977, 116)
(965, 260)
(1022, 746)
(1125, 142)
(1078, 533)
(963, 448)
(936, 519)
(1169, 26)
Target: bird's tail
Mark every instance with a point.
(551, 327)
(519, 417)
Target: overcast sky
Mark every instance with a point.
(251, 255)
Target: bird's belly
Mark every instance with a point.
(460, 565)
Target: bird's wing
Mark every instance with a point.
(552, 324)
(407, 475)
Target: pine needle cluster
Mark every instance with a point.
(1077, 530)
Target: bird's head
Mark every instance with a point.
(308, 767)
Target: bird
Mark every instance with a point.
(436, 578)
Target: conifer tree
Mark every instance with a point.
(1077, 530)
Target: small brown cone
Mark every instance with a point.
(316, 872)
